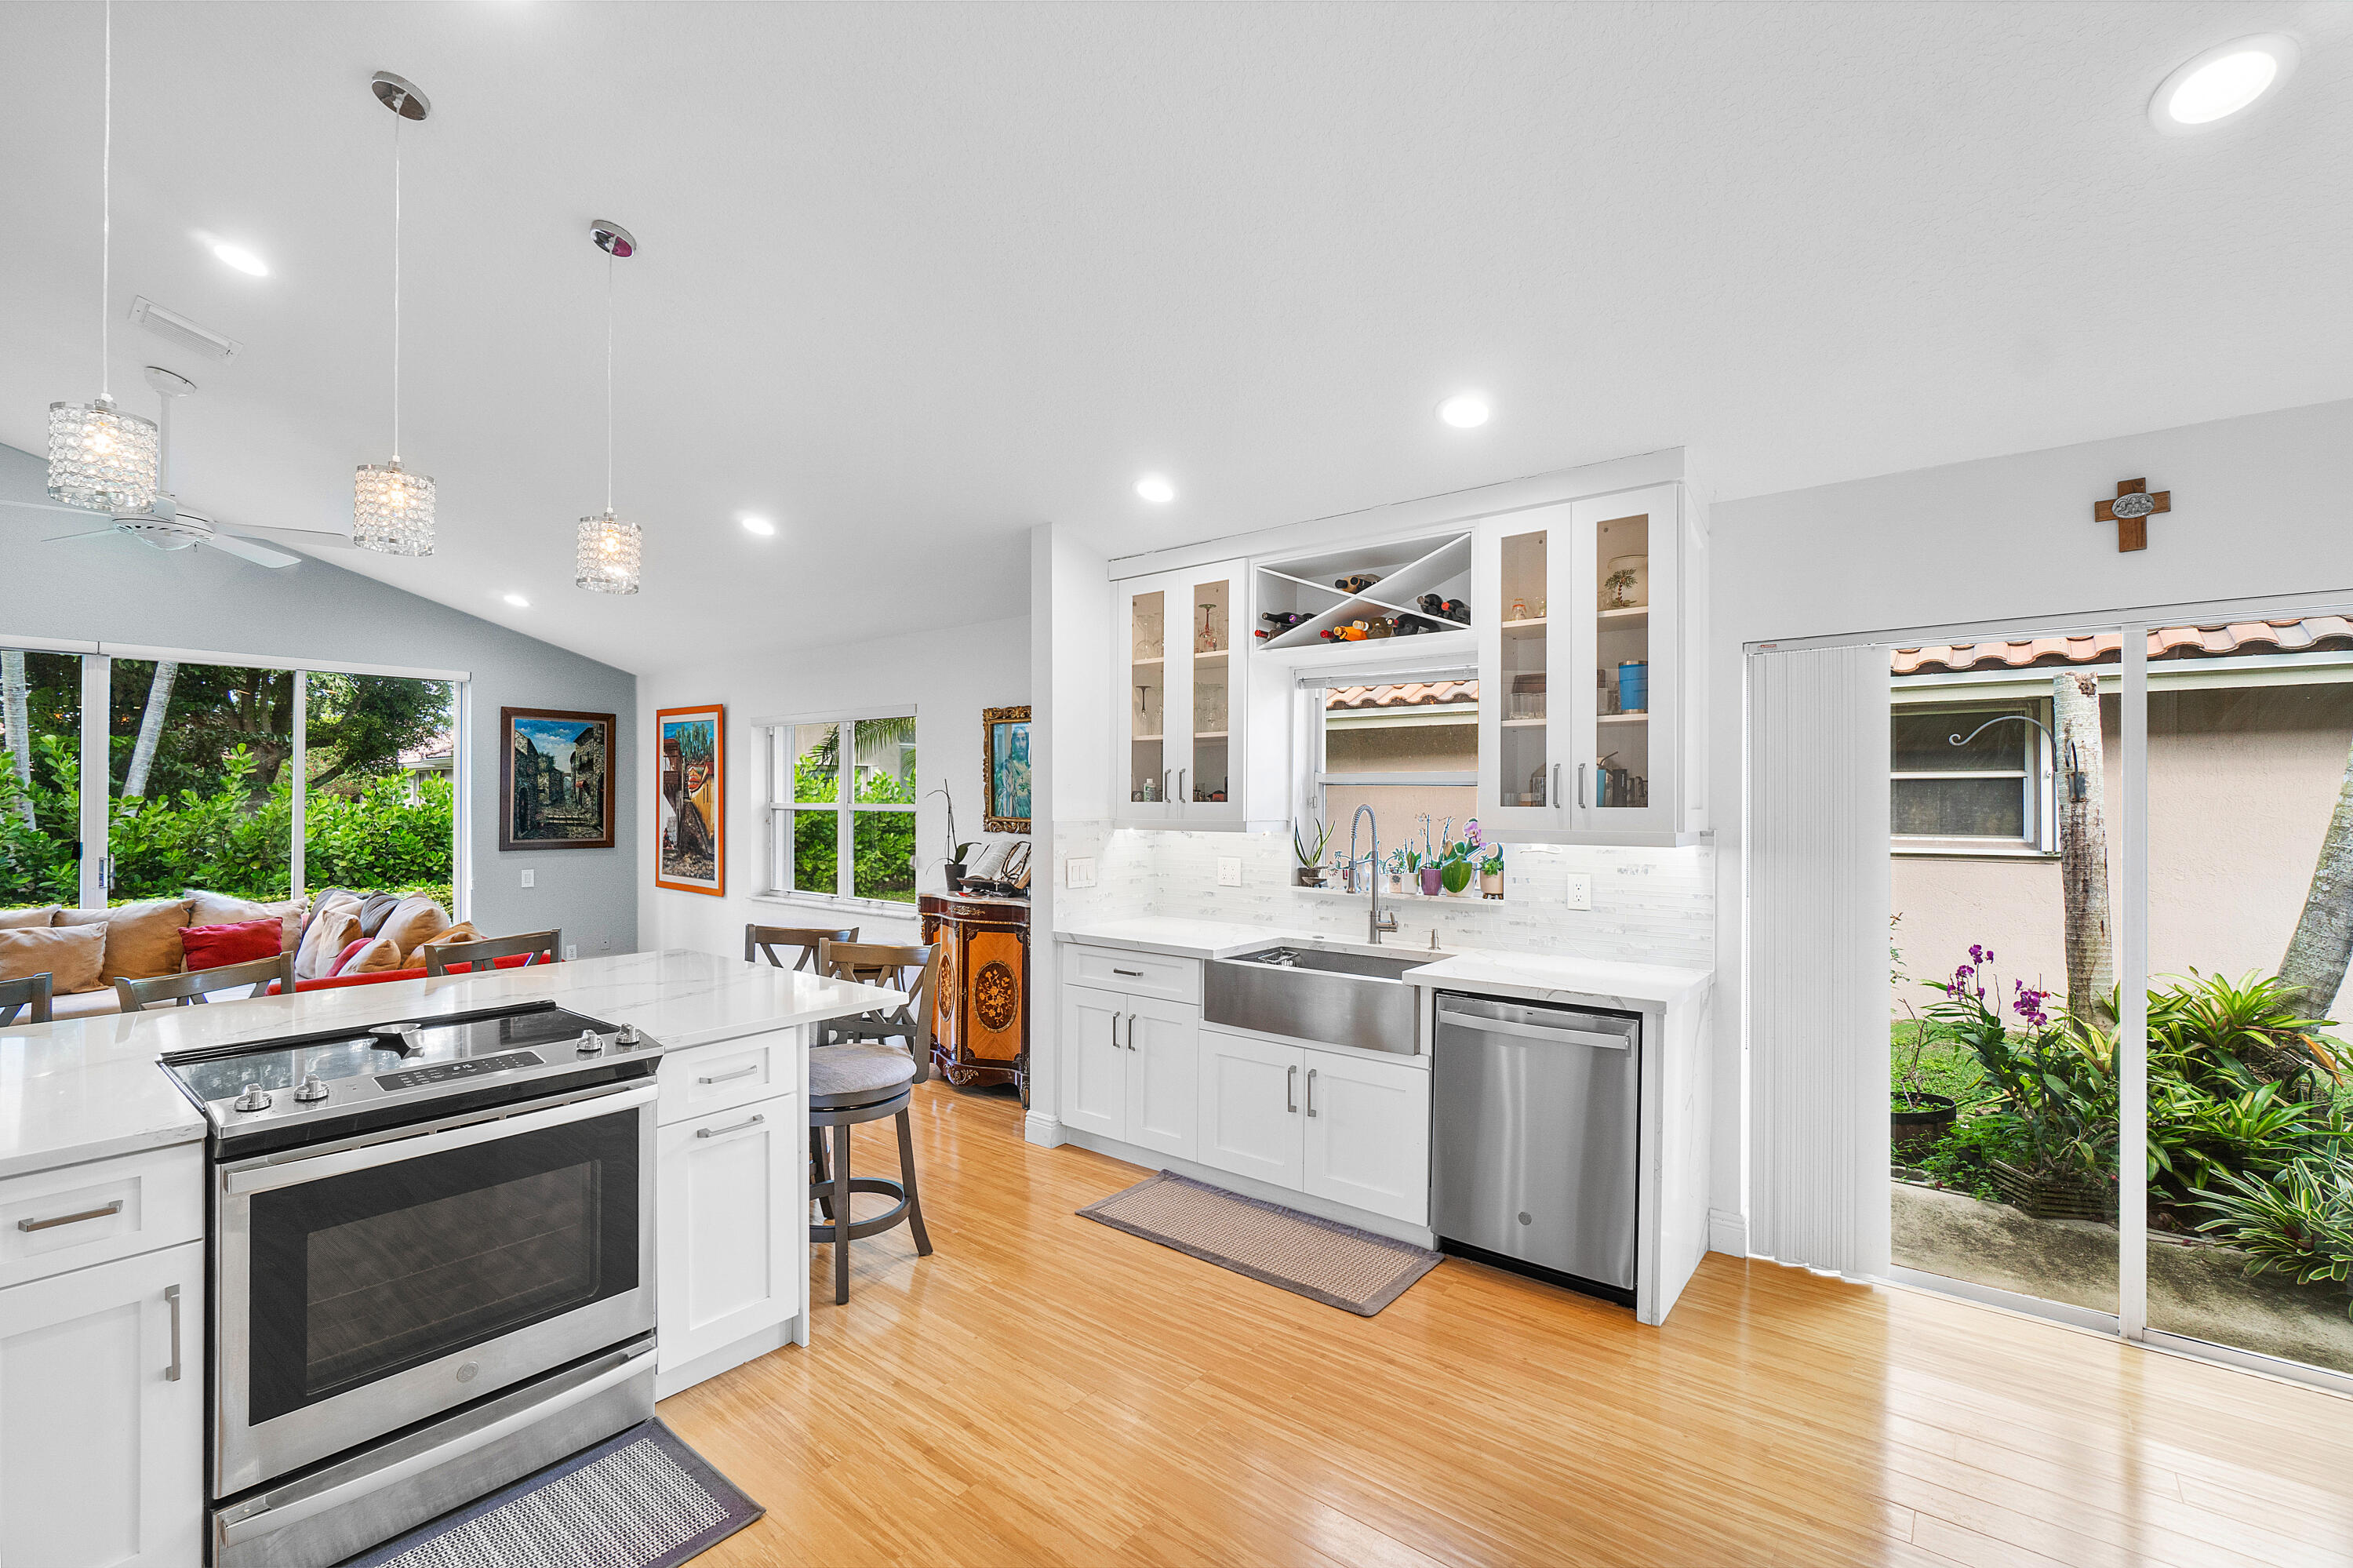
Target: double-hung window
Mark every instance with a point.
(1990, 794)
(841, 807)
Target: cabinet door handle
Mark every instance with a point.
(1130, 1032)
(1580, 786)
(1311, 1091)
(1132, 974)
(1556, 802)
(113, 1208)
(725, 1078)
(1166, 775)
(1290, 1089)
(172, 1296)
(722, 1131)
(1183, 786)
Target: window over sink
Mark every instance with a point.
(1405, 743)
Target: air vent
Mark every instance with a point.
(174, 327)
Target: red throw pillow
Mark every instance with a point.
(353, 945)
(239, 942)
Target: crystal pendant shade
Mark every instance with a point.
(102, 458)
(392, 511)
(607, 559)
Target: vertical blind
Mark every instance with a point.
(1817, 957)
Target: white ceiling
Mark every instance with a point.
(916, 278)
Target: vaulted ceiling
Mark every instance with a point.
(916, 277)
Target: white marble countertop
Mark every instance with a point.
(89, 1088)
(1533, 977)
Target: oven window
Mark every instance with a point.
(361, 1275)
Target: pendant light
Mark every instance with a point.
(100, 457)
(392, 509)
(607, 556)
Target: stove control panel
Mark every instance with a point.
(466, 1067)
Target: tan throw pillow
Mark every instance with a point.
(331, 931)
(416, 921)
(461, 932)
(380, 954)
(69, 954)
(228, 909)
(26, 919)
(142, 940)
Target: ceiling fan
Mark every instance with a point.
(168, 525)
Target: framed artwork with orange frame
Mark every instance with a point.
(691, 799)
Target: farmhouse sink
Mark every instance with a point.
(1307, 993)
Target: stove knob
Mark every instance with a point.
(312, 1090)
(253, 1099)
(590, 1042)
(630, 1035)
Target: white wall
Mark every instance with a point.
(2261, 506)
(947, 672)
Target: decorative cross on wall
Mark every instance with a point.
(2130, 511)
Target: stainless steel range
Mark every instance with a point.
(432, 1265)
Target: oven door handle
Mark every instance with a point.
(240, 1183)
(301, 1503)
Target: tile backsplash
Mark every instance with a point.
(1650, 905)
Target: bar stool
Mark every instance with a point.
(859, 1074)
(762, 942)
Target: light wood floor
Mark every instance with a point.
(1043, 1390)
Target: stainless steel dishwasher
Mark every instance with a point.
(1534, 1141)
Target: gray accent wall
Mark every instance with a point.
(118, 590)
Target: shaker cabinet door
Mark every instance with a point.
(1250, 1108)
(1164, 1076)
(101, 1447)
(732, 1186)
(1095, 1060)
(1368, 1134)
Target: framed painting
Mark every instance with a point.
(1005, 760)
(555, 782)
(691, 799)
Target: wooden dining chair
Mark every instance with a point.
(763, 942)
(198, 985)
(32, 991)
(475, 958)
(859, 1074)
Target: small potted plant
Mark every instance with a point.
(1491, 873)
(1426, 863)
(1309, 854)
(1917, 1120)
(962, 858)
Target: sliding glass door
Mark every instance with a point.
(40, 779)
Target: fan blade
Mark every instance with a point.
(304, 538)
(85, 534)
(247, 550)
(47, 507)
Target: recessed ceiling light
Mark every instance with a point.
(517, 600)
(244, 261)
(1465, 410)
(1155, 488)
(759, 526)
(2221, 81)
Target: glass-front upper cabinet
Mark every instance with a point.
(1182, 722)
(1583, 653)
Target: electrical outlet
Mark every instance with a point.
(1078, 871)
(531, 879)
(571, 949)
(604, 944)
(1580, 890)
(1229, 871)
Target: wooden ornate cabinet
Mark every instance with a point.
(980, 1014)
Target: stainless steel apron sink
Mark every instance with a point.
(1307, 993)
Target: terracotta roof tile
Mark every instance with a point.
(1413, 695)
(2314, 634)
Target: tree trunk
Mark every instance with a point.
(2323, 943)
(151, 730)
(2083, 846)
(17, 716)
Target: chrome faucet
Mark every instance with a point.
(1376, 922)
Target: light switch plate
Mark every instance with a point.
(1229, 871)
(571, 950)
(531, 879)
(1580, 890)
(1078, 871)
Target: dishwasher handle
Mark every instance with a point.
(1488, 1019)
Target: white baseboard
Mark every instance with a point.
(1252, 1187)
(1728, 1231)
(750, 1348)
(1040, 1128)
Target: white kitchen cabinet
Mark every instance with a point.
(733, 1189)
(1129, 1068)
(1368, 1130)
(1250, 1112)
(1590, 624)
(1179, 747)
(102, 1415)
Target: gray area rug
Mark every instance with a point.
(639, 1499)
(1321, 1259)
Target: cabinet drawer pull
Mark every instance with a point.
(1132, 974)
(172, 1295)
(113, 1208)
(722, 1131)
(1290, 1090)
(1311, 1091)
(724, 1077)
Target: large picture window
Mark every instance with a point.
(1406, 747)
(841, 808)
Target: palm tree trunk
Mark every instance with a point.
(151, 730)
(2323, 943)
(2083, 847)
(17, 716)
